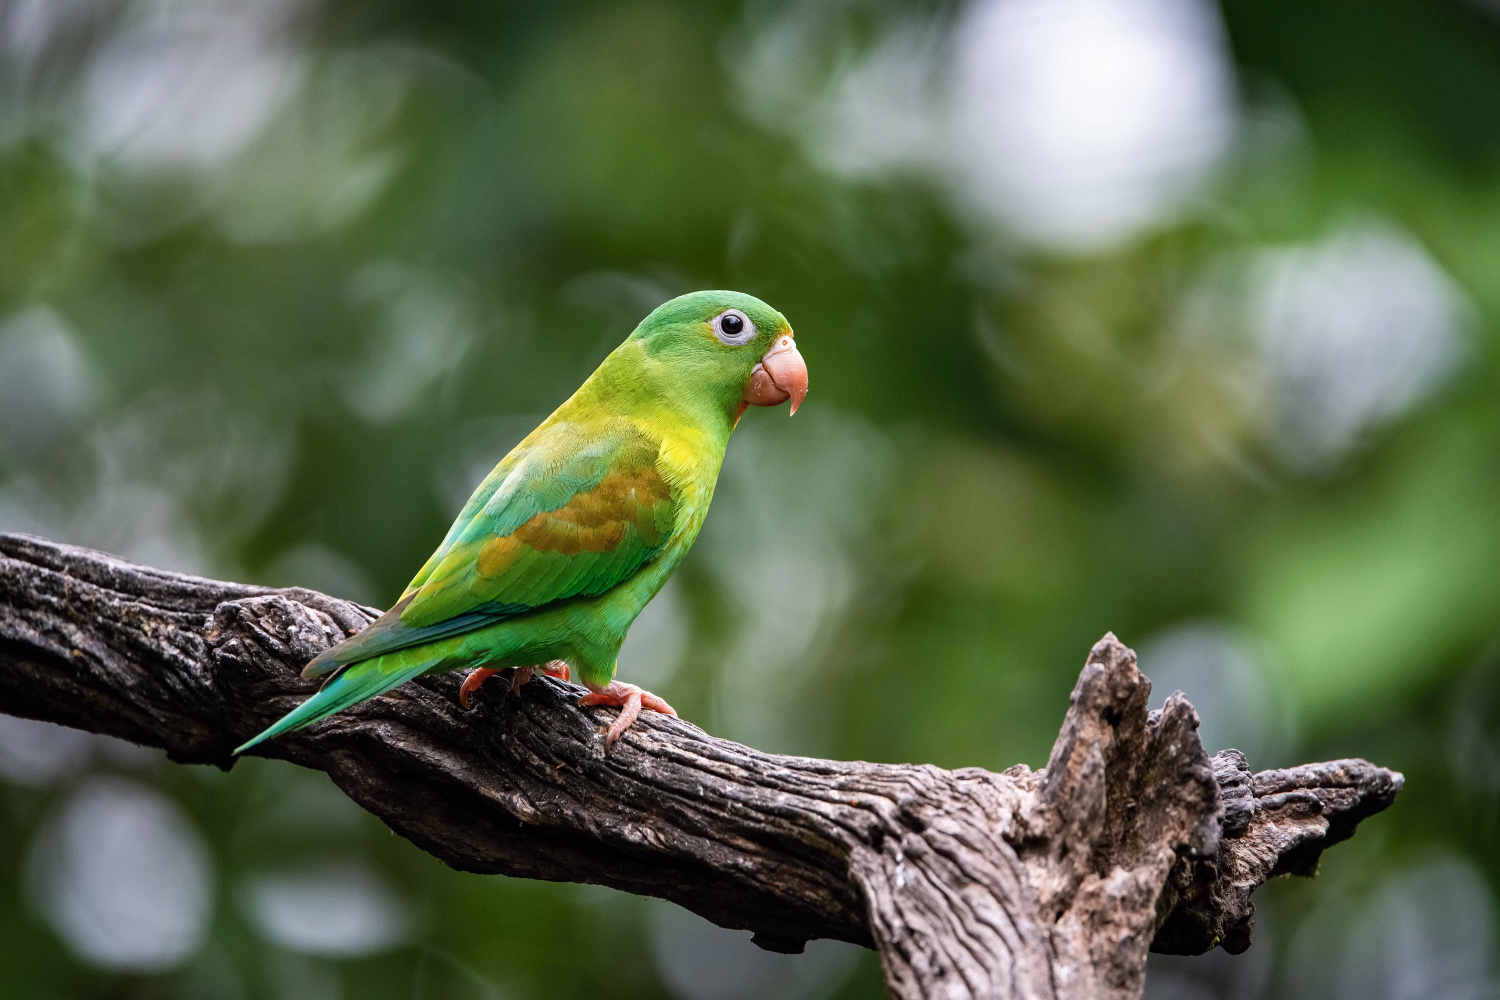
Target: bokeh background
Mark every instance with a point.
(1158, 316)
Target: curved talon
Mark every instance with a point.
(471, 683)
(477, 676)
(552, 668)
(630, 700)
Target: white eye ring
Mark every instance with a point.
(733, 328)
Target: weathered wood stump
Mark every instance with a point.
(1047, 884)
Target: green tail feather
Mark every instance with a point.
(358, 682)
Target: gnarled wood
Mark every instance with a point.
(1050, 884)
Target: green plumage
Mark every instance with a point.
(576, 529)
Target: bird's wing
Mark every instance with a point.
(576, 514)
(571, 512)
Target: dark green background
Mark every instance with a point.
(288, 365)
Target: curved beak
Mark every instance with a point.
(780, 375)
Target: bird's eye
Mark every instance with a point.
(733, 327)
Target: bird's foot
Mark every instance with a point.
(556, 668)
(630, 700)
(552, 668)
(471, 683)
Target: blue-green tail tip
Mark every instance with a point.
(357, 683)
(281, 725)
(332, 697)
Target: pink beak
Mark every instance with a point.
(780, 375)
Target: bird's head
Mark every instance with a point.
(728, 348)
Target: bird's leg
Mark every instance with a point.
(471, 683)
(630, 700)
(552, 668)
(555, 668)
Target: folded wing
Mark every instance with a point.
(572, 512)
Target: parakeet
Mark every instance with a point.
(564, 543)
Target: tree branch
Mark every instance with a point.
(1047, 884)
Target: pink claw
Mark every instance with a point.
(471, 683)
(556, 668)
(630, 700)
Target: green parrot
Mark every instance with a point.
(576, 529)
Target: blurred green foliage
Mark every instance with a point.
(279, 283)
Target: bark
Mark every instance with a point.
(1046, 884)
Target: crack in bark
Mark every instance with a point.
(1050, 884)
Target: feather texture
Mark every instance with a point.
(577, 528)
